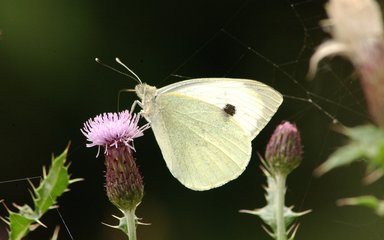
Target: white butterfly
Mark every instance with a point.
(205, 126)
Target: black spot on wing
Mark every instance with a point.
(229, 109)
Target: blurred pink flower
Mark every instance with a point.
(357, 30)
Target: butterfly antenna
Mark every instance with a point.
(134, 77)
(132, 72)
(114, 69)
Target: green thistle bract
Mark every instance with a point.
(123, 181)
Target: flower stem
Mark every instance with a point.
(281, 233)
(131, 223)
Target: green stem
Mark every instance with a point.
(131, 224)
(281, 233)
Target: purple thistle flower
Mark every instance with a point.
(116, 132)
(112, 130)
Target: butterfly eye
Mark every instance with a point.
(229, 109)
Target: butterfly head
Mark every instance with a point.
(147, 95)
(145, 92)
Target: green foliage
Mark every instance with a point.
(365, 201)
(365, 143)
(123, 224)
(44, 197)
(269, 213)
(126, 222)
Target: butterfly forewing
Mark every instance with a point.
(255, 102)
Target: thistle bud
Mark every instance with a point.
(284, 149)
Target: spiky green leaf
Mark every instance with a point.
(19, 225)
(51, 186)
(123, 224)
(268, 213)
(368, 201)
(366, 143)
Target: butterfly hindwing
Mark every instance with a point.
(202, 145)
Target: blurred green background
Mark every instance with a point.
(50, 84)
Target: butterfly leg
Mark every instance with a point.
(136, 102)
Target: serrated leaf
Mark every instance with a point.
(19, 226)
(365, 201)
(268, 213)
(44, 197)
(123, 224)
(371, 139)
(366, 142)
(53, 185)
(342, 156)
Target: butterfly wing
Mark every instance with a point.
(255, 103)
(203, 146)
